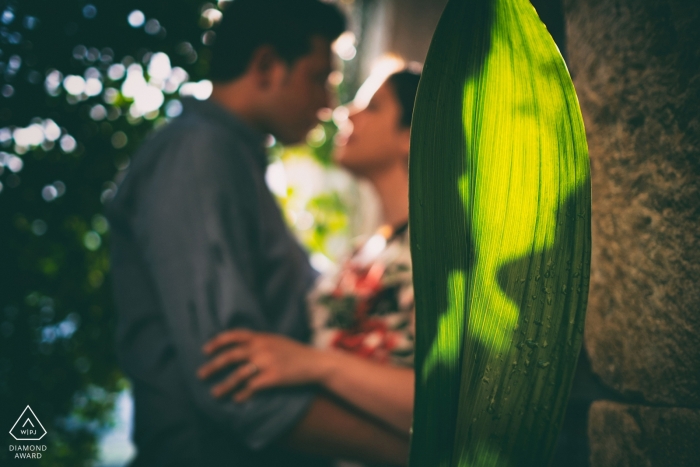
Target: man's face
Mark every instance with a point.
(299, 92)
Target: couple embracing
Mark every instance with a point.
(239, 354)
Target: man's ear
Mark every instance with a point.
(265, 66)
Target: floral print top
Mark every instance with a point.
(367, 307)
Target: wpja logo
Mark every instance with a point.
(28, 428)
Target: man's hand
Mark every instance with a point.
(261, 361)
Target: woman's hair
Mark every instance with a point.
(405, 84)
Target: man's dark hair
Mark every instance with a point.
(285, 25)
(405, 84)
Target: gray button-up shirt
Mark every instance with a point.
(199, 246)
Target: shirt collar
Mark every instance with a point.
(252, 137)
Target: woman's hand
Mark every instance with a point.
(261, 361)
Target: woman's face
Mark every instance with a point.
(378, 140)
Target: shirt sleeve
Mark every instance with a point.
(195, 223)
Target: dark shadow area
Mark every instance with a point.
(572, 449)
(551, 12)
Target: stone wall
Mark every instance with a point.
(634, 435)
(636, 67)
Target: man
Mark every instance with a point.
(200, 247)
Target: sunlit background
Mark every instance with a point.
(82, 84)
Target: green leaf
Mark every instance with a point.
(500, 231)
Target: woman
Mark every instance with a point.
(362, 317)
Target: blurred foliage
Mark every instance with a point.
(317, 198)
(68, 124)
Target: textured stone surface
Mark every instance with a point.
(635, 436)
(636, 67)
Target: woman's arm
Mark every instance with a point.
(384, 391)
(268, 360)
(331, 431)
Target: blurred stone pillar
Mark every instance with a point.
(408, 25)
(412, 25)
(636, 67)
(400, 27)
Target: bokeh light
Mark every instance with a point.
(116, 72)
(152, 27)
(68, 144)
(344, 46)
(200, 90)
(210, 17)
(119, 139)
(89, 11)
(174, 108)
(92, 240)
(159, 68)
(136, 19)
(74, 84)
